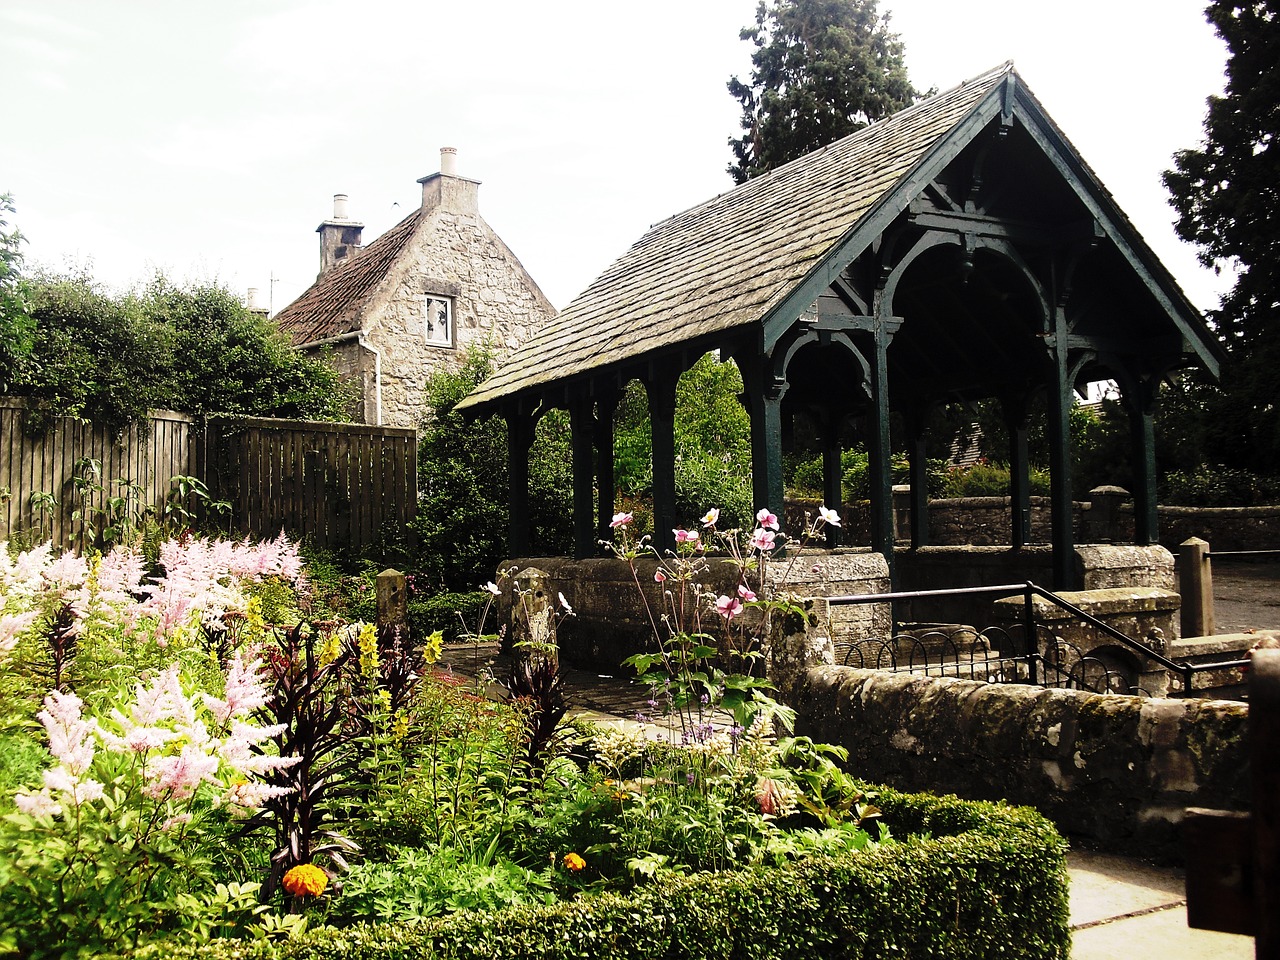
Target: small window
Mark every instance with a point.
(438, 322)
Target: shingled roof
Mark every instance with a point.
(333, 304)
(728, 262)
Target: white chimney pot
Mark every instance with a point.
(340, 206)
(449, 161)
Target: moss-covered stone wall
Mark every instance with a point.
(1114, 769)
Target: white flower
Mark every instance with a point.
(829, 517)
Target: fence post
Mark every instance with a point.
(1195, 583)
(393, 599)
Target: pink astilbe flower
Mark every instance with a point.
(12, 626)
(177, 778)
(24, 577)
(762, 540)
(245, 796)
(75, 788)
(69, 733)
(767, 520)
(67, 572)
(119, 578)
(244, 691)
(37, 804)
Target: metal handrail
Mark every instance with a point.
(1029, 590)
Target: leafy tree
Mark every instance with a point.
(461, 527)
(15, 321)
(94, 356)
(111, 358)
(228, 359)
(821, 70)
(1227, 196)
(713, 444)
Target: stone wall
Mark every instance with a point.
(1114, 769)
(1224, 528)
(611, 622)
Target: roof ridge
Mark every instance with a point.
(877, 126)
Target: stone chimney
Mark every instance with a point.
(447, 190)
(253, 303)
(339, 236)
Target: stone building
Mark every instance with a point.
(391, 312)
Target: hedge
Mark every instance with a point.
(966, 880)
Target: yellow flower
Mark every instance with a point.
(330, 648)
(306, 880)
(574, 862)
(433, 647)
(367, 643)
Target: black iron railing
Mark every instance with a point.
(997, 655)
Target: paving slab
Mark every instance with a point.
(1126, 909)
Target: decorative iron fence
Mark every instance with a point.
(1028, 652)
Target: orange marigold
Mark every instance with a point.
(574, 862)
(306, 880)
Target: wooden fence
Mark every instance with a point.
(340, 485)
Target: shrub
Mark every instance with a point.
(1218, 486)
(965, 886)
(990, 480)
(461, 526)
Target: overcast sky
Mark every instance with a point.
(207, 139)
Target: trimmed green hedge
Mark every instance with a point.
(974, 880)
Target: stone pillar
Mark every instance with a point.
(798, 641)
(393, 599)
(1102, 522)
(533, 613)
(905, 509)
(1195, 583)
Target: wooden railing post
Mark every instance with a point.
(1195, 583)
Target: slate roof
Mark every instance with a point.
(333, 304)
(725, 263)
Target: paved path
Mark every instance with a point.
(1246, 596)
(1121, 909)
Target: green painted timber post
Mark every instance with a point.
(1014, 409)
(582, 429)
(766, 449)
(832, 474)
(919, 476)
(661, 390)
(520, 430)
(1146, 517)
(606, 483)
(879, 465)
(1059, 425)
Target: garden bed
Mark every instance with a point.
(973, 880)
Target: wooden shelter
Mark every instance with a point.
(958, 250)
